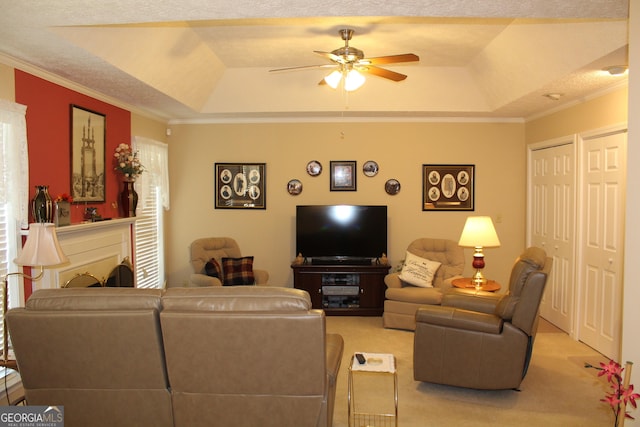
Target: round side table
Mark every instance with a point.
(467, 283)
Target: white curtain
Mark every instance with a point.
(154, 156)
(14, 164)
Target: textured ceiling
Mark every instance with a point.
(198, 60)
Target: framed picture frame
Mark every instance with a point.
(343, 175)
(88, 131)
(448, 187)
(240, 185)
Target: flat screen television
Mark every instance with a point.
(341, 233)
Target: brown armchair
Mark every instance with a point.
(403, 299)
(203, 250)
(486, 341)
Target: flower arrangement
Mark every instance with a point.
(127, 161)
(621, 392)
(64, 197)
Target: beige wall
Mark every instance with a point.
(148, 127)
(631, 314)
(7, 83)
(601, 112)
(497, 150)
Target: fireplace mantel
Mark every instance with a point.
(92, 247)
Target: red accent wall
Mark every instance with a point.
(49, 139)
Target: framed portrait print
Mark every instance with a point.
(87, 155)
(448, 187)
(240, 186)
(343, 175)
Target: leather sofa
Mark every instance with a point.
(228, 356)
(483, 341)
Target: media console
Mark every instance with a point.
(346, 290)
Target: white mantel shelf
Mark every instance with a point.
(82, 227)
(92, 247)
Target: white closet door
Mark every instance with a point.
(603, 174)
(552, 219)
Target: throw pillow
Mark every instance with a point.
(212, 268)
(238, 271)
(419, 271)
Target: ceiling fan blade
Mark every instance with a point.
(391, 59)
(330, 56)
(382, 72)
(304, 67)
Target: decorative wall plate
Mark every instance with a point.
(370, 168)
(294, 187)
(392, 186)
(314, 168)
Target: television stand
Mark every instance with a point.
(343, 290)
(340, 261)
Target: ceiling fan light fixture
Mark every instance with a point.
(353, 80)
(333, 79)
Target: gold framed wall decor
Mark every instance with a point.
(88, 130)
(240, 186)
(448, 187)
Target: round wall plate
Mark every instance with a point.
(370, 168)
(314, 168)
(294, 187)
(392, 186)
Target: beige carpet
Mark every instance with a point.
(557, 391)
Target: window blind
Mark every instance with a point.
(149, 253)
(154, 194)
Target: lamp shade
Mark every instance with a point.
(42, 247)
(333, 79)
(353, 80)
(479, 231)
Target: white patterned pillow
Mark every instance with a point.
(419, 271)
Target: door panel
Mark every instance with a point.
(603, 179)
(552, 183)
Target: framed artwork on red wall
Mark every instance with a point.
(87, 155)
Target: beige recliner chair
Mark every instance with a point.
(403, 299)
(203, 250)
(483, 342)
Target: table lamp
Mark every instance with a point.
(41, 249)
(478, 233)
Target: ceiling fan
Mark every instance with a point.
(349, 62)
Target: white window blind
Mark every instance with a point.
(149, 253)
(14, 176)
(4, 257)
(154, 196)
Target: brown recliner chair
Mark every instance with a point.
(203, 250)
(403, 299)
(484, 341)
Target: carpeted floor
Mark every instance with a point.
(557, 391)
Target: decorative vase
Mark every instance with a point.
(128, 198)
(41, 205)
